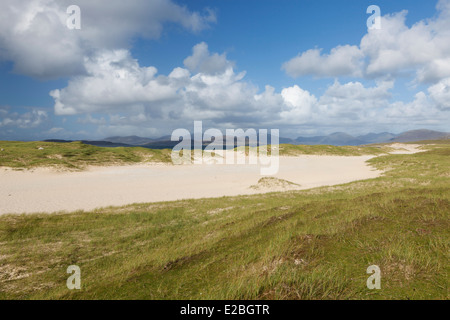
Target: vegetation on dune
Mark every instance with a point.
(77, 155)
(292, 150)
(311, 244)
(73, 155)
(296, 150)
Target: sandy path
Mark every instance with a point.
(44, 190)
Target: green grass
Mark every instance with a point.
(292, 150)
(73, 155)
(434, 142)
(76, 155)
(295, 150)
(311, 244)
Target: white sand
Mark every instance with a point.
(45, 190)
(403, 148)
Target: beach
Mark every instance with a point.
(49, 190)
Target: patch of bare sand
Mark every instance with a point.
(403, 148)
(47, 190)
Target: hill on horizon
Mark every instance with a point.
(421, 134)
(335, 139)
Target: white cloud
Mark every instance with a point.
(421, 51)
(118, 88)
(421, 112)
(114, 81)
(353, 100)
(110, 90)
(353, 104)
(440, 94)
(342, 60)
(299, 104)
(128, 98)
(26, 120)
(34, 35)
(204, 62)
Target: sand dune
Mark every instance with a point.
(45, 190)
(403, 148)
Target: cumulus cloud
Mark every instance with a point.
(202, 61)
(421, 111)
(128, 98)
(342, 60)
(440, 94)
(421, 51)
(298, 103)
(354, 105)
(416, 109)
(114, 81)
(108, 89)
(26, 120)
(353, 100)
(34, 35)
(129, 94)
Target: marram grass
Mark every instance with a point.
(311, 244)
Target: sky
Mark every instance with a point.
(148, 67)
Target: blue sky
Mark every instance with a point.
(149, 67)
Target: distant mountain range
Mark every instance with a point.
(341, 138)
(417, 135)
(344, 139)
(335, 139)
(165, 142)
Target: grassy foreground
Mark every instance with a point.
(312, 244)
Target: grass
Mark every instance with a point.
(292, 150)
(311, 244)
(73, 155)
(295, 150)
(21, 155)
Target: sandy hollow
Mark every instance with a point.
(404, 148)
(45, 190)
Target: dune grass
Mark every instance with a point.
(73, 155)
(324, 150)
(77, 156)
(311, 244)
(292, 150)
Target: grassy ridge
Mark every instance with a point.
(73, 155)
(328, 150)
(292, 150)
(312, 244)
(76, 155)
